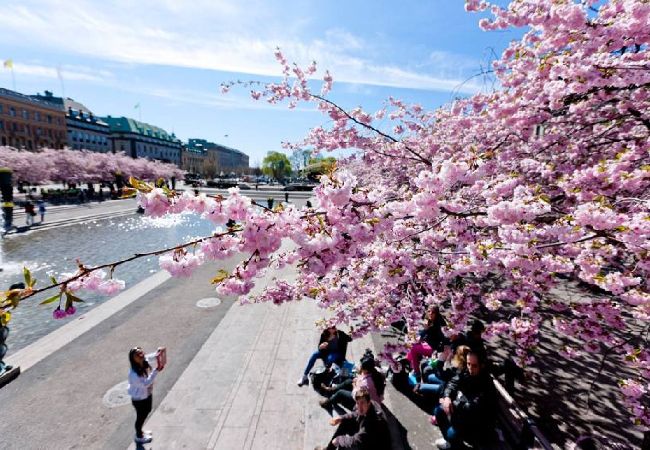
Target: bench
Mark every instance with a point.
(519, 430)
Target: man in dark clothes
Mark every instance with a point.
(332, 346)
(468, 405)
(508, 368)
(365, 428)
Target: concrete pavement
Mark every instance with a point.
(240, 392)
(229, 383)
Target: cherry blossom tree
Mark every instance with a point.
(482, 206)
(80, 166)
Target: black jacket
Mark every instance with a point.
(474, 398)
(373, 431)
(433, 334)
(343, 340)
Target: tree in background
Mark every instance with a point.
(320, 166)
(276, 165)
(484, 207)
(79, 166)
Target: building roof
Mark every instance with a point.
(34, 100)
(207, 145)
(128, 125)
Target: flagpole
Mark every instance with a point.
(13, 77)
(60, 75)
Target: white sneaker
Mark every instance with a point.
(147, 433)
(443, 444)
(304, 380)
(143, 440)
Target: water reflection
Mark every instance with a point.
(56, 250)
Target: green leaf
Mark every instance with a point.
(68, 300)
(76, 299)
(51, 299)
(28, 277)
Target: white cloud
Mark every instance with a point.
(225, 101)
(67, 72)
(217, 35)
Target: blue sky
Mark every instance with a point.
(170, 56)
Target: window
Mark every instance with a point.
(12, 111)
(25, 114)
(49, 118)
(1, 108)
(37, 116)
(2, 125)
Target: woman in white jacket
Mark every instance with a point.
(141, 378)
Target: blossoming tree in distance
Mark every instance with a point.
(80, 166)
(482, 206)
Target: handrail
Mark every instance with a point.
(528, 424)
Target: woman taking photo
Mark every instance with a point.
(141, 378)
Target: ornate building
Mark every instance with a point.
(224, 159)
(141, 140)
(85, 131)
(29, 122)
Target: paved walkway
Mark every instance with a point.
(238, 391)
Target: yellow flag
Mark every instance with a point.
(9, 64)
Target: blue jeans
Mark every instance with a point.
(327, 358)
(432, 385)
(448, 432)
(431, 389)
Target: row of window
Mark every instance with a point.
(88, 137)
(90, 147)
(28, 129)
(26, 143)
(150, 150)
(27, 115)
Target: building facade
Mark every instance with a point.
(193, 159)
(84, 130)
(141, 140)
(30, 123)
(224, 159)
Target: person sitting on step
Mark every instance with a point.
(365, 428)
(332, 346)
(467, 408)
(369, 378)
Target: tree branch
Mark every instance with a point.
(370, 127)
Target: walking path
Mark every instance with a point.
(235, 389)
(240, 392)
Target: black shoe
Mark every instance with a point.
(327, 406)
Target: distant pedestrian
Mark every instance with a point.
(141, 378)
(29, 213)
(41, 209)
(286, 197)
